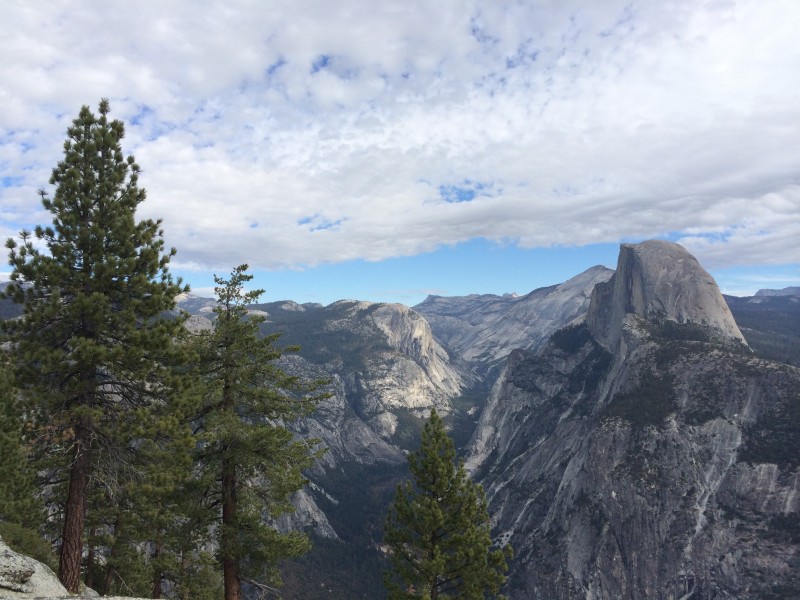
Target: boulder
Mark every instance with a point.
(24, 577)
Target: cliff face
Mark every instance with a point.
(484, 329)
(646, 453)
(413, 373)
(660, 281)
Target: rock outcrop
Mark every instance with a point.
(658, 280)
(646, 453)
(23, 578)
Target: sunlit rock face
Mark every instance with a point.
(415, 371)
(658, 280)
(646, 453)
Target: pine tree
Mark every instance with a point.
(17, 485)
(21, 508)
(153, 518)
(250, 461)
(91, 344)
(438, 529)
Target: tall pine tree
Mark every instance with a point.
(438, 529)
(250, 461)
(91, 344)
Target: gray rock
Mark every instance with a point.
(484, 329)
(666, 468)
(658, 280)
(15, 570)
(24, 577)
(787, 291)
(197, 324)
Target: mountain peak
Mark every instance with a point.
(658, 280)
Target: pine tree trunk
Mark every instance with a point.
(230, 564)
(69, 568)
(157, 575)
(434, 542)
(230, 561)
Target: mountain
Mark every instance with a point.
(771, 325)
(628, 417)
(484, 329)
(385, 371)
(787, 291)
(8, 309)
(646, 452)
(387, 366)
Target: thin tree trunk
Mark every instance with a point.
(434, 542)
(184, 578)
(230, 560)
(230, 564)
(69, 568)
(157, 575)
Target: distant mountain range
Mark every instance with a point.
(788, 291)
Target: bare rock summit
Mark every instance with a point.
(659, 281)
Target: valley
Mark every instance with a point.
(618, 412)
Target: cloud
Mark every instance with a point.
(370, 130)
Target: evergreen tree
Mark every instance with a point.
(21, 509)
(438, 529)
(17, 485)
(152, 522)
(250, 461)
(91, 344)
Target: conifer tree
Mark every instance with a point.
(20, 508)
(91, 344)
(153, 518)
(250, 461)
(438, 529)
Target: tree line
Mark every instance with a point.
(155, 459)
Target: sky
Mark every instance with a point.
(389, 150)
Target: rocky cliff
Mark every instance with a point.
(484, 329)
(659, 281)
(646, 453)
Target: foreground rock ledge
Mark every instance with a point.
(24, 577)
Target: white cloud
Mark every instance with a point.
(286, 134)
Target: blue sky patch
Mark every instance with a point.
(11, 181)
(466, 191)
(273, 68)
(144, 113)
(322, 61)
(318, 223)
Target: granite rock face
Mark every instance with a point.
(385, 371)
(22, 577)
(484, 329)
(646, 453)
(658, 280)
